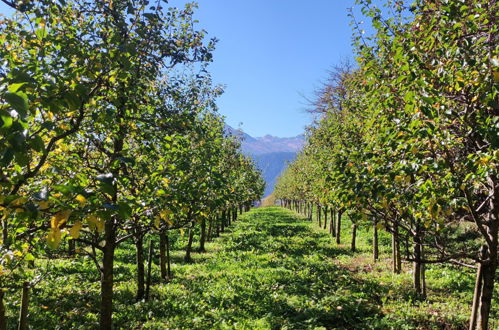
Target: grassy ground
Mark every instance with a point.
(271, 270)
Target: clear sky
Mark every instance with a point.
(271, 55)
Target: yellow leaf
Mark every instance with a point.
(43, 205)
(95, 223)
(54, 238)
(81, 199)
(59, 219)
(75, 230)
(166, 181)
(18, 201)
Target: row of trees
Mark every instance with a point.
(109, 133)
(408, 141)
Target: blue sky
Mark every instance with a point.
(271, 55)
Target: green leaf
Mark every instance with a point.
(15, 87)
(18, 101)
(7, 120)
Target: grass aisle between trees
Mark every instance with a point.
(272, 269)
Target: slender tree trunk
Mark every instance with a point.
(23, 313)
(5, 233)
(107, 280)
(139, 253)
(222, 221)
(3, 319)
(396, 259)
(375, 241)
(325, 217)
(477, 292)
(241, 209)
(162, 255)
(332, 224)
(338, 227)
(71, 247)
(353, 246)
(188, 249)
(489, 268)
(319, 216)
(418, 268)
(209, 236)
(168, 259)
(234, 215)
(202, 238)
(149, 267)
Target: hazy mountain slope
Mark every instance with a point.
(271, 153)
(272, 164)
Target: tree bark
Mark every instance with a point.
(353, 246)
(168, 259)
(338, 227)
(139, 253)
(396, 260)
(162, 255)
(477, 292)
(23, 313)
(325, 217)
(149, 266)
(71, 247)
(209, 235)
(222, 221)
(489, 267)
(5, 233)
(107, 280)
(332, 224)
(3, 319)
(202, 238)
(188, 249)
(319, 216)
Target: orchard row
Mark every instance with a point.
(408, 141)
(109, 133)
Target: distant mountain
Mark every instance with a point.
(270, 153)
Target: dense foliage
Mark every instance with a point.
(408, 141)
(109, 133)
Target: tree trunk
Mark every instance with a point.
(209, 236)
(396, 260)
(5, 233)
(202, 238)
(234, 215)
(71, 247)
(222, 221)
(418, 268)
(139, 253)
(375, 241)
(162, 255)
(149, 266)
(187, 257)
(332, 223)
(168, 259)
(338, 227)
(325, 217)
(478, 291)
(3, 320)
(107, 280)
(23, 313)
(319, 216)
(489, 268)
(353, 246)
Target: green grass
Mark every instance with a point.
(271, 270)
